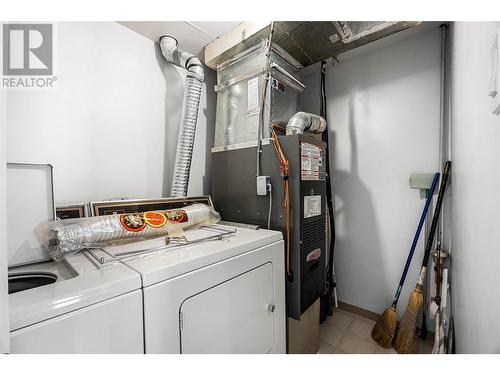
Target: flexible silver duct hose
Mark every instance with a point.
(305, 121)
(233, 101)
(189, 113)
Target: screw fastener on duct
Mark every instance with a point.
(189, 113)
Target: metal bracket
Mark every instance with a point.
(423, 182)
(222, 234)
(170, 243)
(344, 31)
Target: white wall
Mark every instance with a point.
(383, 113)
(110, 127)
(4, 307)
(476, 190)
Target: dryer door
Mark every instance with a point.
(233, 317)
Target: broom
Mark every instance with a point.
(384, 329)
(405, 333)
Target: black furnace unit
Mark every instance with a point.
(234, 196)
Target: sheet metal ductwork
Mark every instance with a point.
(308, 42)
(189, 113)
(303, 121)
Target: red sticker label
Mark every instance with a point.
(176, 216)
(132, 222)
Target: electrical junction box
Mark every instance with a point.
(262, 182)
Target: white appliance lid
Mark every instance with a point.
(90, 284)
(165, 264)
(30, 201)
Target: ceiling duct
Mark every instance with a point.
(307, 42)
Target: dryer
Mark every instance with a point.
(223, 295)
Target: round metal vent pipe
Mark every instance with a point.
(305, 121)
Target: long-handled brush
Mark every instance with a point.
(384, 329)
(405, 333)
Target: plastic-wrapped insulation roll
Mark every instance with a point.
(64, 237)
(189, 112)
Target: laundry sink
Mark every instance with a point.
(24, 281)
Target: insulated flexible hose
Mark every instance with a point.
(189, 113)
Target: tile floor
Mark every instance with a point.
(347, 333)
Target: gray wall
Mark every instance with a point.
(383, 113)
(476, 187)
(110, 127)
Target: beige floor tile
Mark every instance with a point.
(340, 319)
(339, 351)
(330, 334)
(424, 347)
(343, 311)
(371, 321)
(361, 327)
(421, 347)
(380, 350)
(325, 348)
(351, 343)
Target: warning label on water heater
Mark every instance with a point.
(312, 206)
(311, 162)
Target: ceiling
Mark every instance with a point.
(192, 36)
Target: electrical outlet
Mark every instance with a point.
(262, 182)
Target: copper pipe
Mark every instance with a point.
(284, 168)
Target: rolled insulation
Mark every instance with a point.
(64, 237)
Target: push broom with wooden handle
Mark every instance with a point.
(385, 327)
(405, 334)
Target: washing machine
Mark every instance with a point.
(75, 306)
(219, 290)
